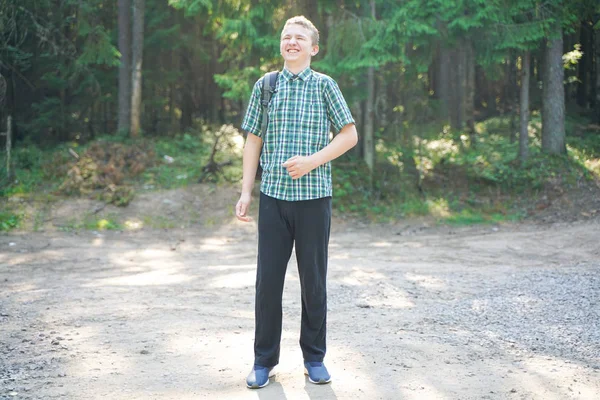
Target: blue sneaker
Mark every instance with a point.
(259, 377)
(316, 371)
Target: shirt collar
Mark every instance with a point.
(304, 75)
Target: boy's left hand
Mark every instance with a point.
(298, 166)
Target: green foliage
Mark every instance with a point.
(98, 48)
(463, 184)
(33, 170)
(179, 161)
(238, 86)
(192, 7)
(351, 186)
(249, 35)
(493, 161)
(9, 221)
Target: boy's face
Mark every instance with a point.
(296, 45)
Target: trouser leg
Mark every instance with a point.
(275, 242)
(312, 223)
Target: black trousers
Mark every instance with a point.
(281, 224)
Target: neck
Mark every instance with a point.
(296, 69)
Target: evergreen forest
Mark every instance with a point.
(468, 110)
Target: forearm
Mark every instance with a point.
(341, 143)
(250, 160)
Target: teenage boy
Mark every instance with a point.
(295, 198)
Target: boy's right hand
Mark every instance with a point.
(242, 207)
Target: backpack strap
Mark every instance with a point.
(269, 85)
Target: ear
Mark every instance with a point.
(315, 50)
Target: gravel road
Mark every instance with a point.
(415, 312)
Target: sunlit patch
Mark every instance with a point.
(134, 269)
(238, 141)
(360, 277)
(441, 146)
(350, 281)
(152, 278)
(341, 256)
(133, 225)
(98, 242)
(593, 165)
(34, 258)
(214, 244)
(413, 245)
(235, 280)
(439, 208)
(27, 287)
(381, 244)
(425, 281)
(231, 267)
(104, 224)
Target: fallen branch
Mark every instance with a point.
(212, 167)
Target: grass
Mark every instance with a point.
(472, 217)
(92, 222)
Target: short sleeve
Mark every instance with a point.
(337, 110)
(253, 118)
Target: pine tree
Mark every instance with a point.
(125, 73)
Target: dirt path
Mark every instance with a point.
(510, 312)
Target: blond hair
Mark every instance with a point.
(305, 23)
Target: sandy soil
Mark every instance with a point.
(416, 311)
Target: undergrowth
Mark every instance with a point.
(441, 175)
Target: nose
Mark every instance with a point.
(293, 40)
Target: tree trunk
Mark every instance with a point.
(369, 112)
(462, 82)
(553, 99)
(138, 53)
(512, 96)
(458, 92)
(357, 112)
(470, 88)
(453, 95)
(583, 66)
(597, 67)
(443, 82)
(491, 98)
(524, 112)
(187, 110)
(311, 11)
(125, 66)
(369, 150)
(594, 50)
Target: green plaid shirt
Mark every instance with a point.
(301, 113)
